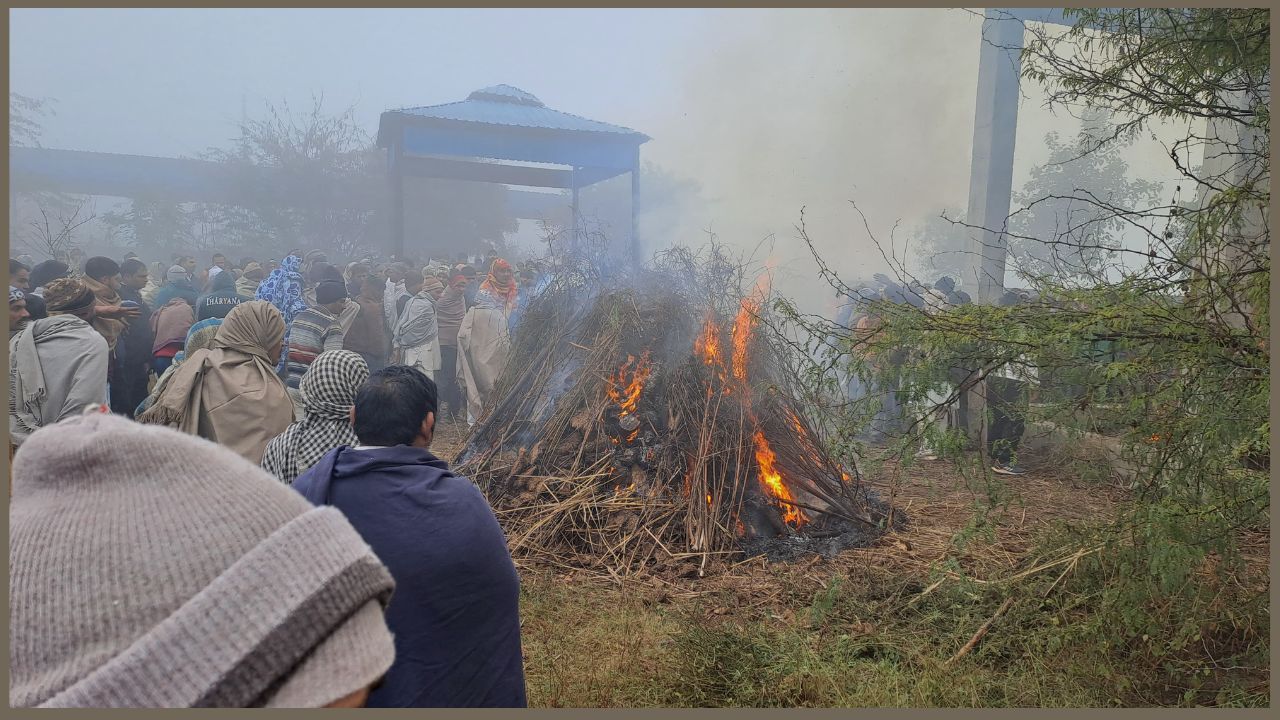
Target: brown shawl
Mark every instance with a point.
(230, 394)
(170, 324)
(109, 329)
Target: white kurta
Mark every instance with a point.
(484, 345)
(425, 357)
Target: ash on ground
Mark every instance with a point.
(827, 537)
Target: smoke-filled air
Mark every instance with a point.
(671, 357)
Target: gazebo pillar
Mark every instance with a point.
(574, 244)
(395, 177)
(635, 204)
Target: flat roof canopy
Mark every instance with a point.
(470, 140)
(502, 134)
(178, 180)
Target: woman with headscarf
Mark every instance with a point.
(231, 394)
(283, 289)
(416, 339)
(484, 342)
(328, 391)
(199, 337)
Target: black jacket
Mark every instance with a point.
(134, 345)
(217, 304)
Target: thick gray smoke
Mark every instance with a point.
(787, 109)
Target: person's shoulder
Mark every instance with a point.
(307, 316)
(93, 338)
(455, 483)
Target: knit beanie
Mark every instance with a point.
(330, 291)
(149, 568)
(176, 273)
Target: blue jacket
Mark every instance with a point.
(171, 290)
(455, 612)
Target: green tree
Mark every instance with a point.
(1170, 346)
(1055, 234)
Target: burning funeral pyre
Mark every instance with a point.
(640, 429)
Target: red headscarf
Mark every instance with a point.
(505, 292)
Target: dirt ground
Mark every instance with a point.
(678, 639)
(939, 503)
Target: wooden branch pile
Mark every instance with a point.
(615, 445)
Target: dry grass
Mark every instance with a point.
(873, 626)
(675, 641)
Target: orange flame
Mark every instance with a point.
(625, 387)
(742, 336)
(795, 422)
(771, 479)
(707, 344)
(707, 347)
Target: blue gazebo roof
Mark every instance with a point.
(494, 135)
(504, 105)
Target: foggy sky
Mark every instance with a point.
(768, 110)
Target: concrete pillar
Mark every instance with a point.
(1234, 156)
(994, 131)
(991, 181)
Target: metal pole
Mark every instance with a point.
(635, 204)
(573, 183)
(395, 157)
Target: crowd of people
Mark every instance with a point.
(941, 405)
(299, 400)
(449, 321)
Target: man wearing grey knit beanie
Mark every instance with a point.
(135, 585)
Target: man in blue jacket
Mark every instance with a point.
(455, 613)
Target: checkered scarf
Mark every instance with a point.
(328, 390)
